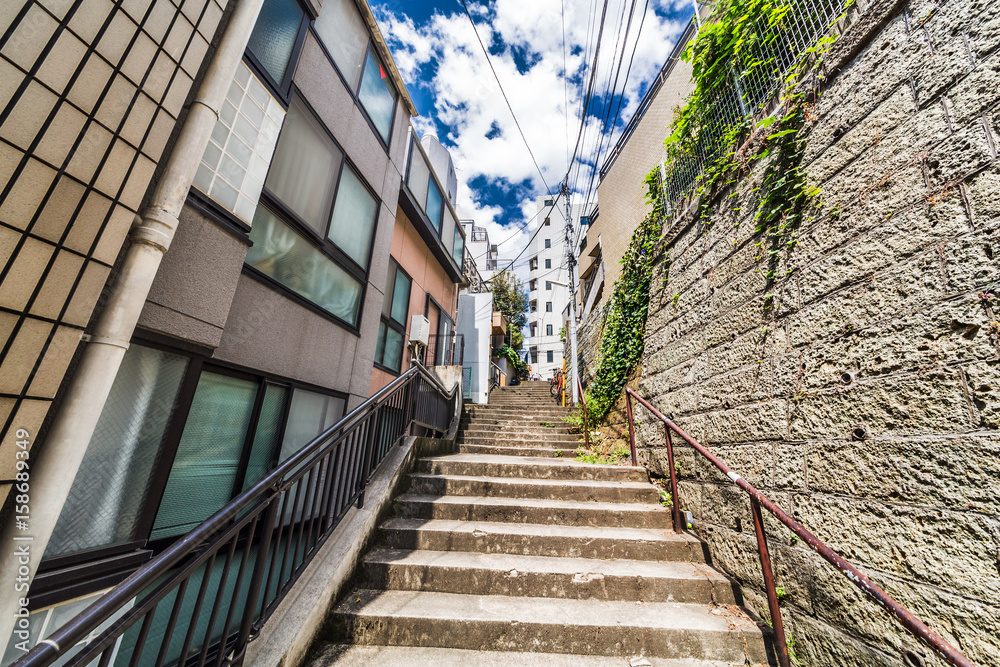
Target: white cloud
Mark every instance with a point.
(468, 104)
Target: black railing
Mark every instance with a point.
(200, 601)
(448, 350)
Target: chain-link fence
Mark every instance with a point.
(773, 45)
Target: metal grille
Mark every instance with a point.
(772, 48)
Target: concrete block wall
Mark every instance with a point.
(90, 91)
(866, 401)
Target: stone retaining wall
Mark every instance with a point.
(866, 401)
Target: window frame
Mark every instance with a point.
(59, 585)
(548, 330)
(547, 243)
(549, 357)
(548, 306)
(386, 145)
(322, 242)
(391, 323)
(284, 89)
(548, 263)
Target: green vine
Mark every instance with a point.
(625, 316)
(742, 42)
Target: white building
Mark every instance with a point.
(548, 282)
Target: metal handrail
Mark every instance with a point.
(329, 474)
(583, 404)
(916, 627)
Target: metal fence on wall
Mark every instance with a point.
(755, 75)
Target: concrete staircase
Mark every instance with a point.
(511, 553)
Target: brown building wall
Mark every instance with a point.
(90, 92)
(886, 321)
(621, 193)
(429, 278)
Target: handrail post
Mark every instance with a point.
(250, 611)
(673, 480)
(631, 427)
(772, 596)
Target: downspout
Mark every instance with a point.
(53, 472)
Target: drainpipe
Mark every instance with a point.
(53, 471)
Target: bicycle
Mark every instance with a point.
(556, 384)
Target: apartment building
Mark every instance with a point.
(308, 228)
(548, 281)
(426, 263)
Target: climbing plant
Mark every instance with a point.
(625, 315)
(715, 135)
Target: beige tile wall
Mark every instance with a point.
(90, 91)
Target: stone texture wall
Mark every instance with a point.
(866, 402)
(90, 92)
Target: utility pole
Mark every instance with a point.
(571, 256)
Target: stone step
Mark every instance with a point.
(533, 510)
(516, 435)
(554, 489)
(526, 451)
(494, 622)
(486, 438)
(533, 408)
(541, 576)
(515, 424)
(531, 539)
(534, 468)
(567, 445)
(346, 655)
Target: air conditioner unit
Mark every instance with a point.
(420, 329)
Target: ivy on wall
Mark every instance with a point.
(625, 315)
(744, 33)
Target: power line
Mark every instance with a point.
(609, 127)
(502, 92)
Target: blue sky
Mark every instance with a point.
(458, 97)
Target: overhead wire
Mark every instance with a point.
(489, 61)
(611, 118)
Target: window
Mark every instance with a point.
(549, 202)
(547, 221)
(533, 264)
(548, 357)
(276, 39)
(203, 474)
(176, 441)
(548, 243)
(548, 329)
(343, 33)
(280, 253)
(548, 264)
(584, 221)
(533, 332)
(377, 95)
(548, 306)
(426, 192)
(105, 502)
(458, 246)
(235, 161)
(313, 231)
(392, 328)
(534, 356)
(548, 285)
(532, 285)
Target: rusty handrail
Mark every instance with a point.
(916, 627)
(583, 402)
